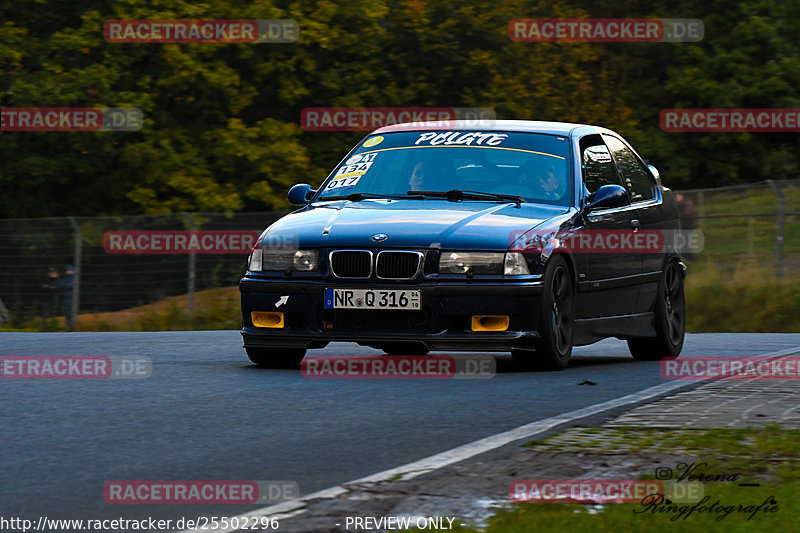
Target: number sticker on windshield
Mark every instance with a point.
(348, 174)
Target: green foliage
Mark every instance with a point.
(222, 132)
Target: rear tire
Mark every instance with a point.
(556, 320)
(276, 357)
(670, 320)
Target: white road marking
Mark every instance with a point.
(434, 462)
(283, 300)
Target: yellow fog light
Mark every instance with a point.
(264, 319)
(490, 322)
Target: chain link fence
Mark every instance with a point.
(754, 223)
(111, 276)
(747, 224)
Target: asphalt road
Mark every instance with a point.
(205, 413)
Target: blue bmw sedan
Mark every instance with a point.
(528, 237)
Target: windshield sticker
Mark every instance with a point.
(348, 174)
(374, 141)
(454, 137)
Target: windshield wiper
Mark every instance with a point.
(457, 194)
(358, 196)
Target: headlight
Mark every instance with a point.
(281, 260)
(474, 262)
(515, 265)
(255, 260)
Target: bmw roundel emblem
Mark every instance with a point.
(380, 237)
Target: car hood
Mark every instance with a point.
(470, 225)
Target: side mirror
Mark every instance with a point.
(608, 196)
(300, 194)
(654, 172)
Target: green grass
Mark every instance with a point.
(744, 298)
(758, 200)
(767, 455)
(732, 240)
(574, 518)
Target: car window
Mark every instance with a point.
(636, 176)
(531, 165)
(598, 167)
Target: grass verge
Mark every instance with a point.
(767, 456)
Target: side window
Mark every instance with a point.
(636, 176)
(598, 167)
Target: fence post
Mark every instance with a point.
(190, 282)
(779, 228)
(751, 236)
(72, 320)
(4, 316)
(700, 210)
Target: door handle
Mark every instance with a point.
(635, 224)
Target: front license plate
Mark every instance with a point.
(372, 299)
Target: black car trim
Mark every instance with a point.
(623, 281)
(446, 340)
(514, 288)
(371, 263)
(420, 262)
(589, 330)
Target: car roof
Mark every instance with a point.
(528, 126)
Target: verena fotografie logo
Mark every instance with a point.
(370, 118)
(398, 367)
(70, 119)
(249, 31)
(180, 242)
(595, 30)
(623, 241)
(733, 368)
(74, 367)
(730, 120)
(199, 492)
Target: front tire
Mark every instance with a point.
(276, 357)
(670, 319)
(556, 319)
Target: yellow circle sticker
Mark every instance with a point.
(374, 141)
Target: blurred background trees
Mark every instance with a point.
(222, 131)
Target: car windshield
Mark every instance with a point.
(529, 165)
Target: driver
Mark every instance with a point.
(541, 176)
(429, 174)
(415, 181)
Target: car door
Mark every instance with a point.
(610, 286)
(646, 199)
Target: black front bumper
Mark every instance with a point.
(442, 324)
